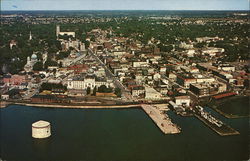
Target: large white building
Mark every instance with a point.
(182, 101)
(88, 81)
(58, 32)
(31, 61)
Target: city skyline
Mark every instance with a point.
(124, 5)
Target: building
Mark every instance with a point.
(211, 51)
(58, 32)
(5, 96)
(14, 79)
(31, 61)
(200, 89)
(12, 43)
(138, 91)
(182, 101)
(186, 81)
(186, 46)
(152, 94)
(137, 64)
(90, 81)
(41, 129)
(49, 99)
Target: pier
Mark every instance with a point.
(218, 126)
(224, 130)
(160, 119)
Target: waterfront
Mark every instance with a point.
(115, 134)
(228, 107)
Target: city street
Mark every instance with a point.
(110, 75)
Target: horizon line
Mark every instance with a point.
(136, 10)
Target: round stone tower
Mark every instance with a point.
(41, 129)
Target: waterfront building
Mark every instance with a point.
(182, 101)
(138, 91)
(152, 94)
(5, 96)
(90, 81)
(200, 89)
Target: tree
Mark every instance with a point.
(87, 43)
(94, 91)
(118, 92)
(165, 48)
(50, 63)
(88, 90)
(60, 65)
(51, 86)
(38, 66)
(200, 45)
(92, 39)
(104, 89)
(62, 55)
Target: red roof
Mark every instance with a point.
(224, 95)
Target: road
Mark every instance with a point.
(110, 75)
(174, 83)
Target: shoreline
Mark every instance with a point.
(215, 106)
(229, 116)
(159, 119)
(76, 106)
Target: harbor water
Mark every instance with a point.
(115, 134)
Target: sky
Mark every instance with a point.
(125, 4)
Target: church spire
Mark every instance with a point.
(30, 38)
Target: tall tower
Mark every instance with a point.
(57, 30)
(30, 38)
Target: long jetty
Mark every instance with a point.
(160, 119)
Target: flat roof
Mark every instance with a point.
(40, 124)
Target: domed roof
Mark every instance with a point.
(33, 56)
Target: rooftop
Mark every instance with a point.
(40, 124)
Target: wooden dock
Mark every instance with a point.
(160, 119)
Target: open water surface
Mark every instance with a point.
(115, 135)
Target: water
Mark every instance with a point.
(110, 134)
(237, 106)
